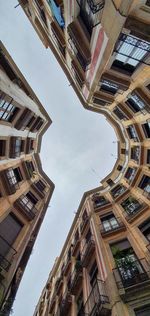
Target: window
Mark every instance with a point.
(131, 205)
(109, 222)
(93, 274)
(109, 87)
(40, 185)
(132, 133)
(145, 184)
(146, 129)
(148, 156)
(10, 228)
(110, 182)
(145, 229)
(119, 113)
(30, 167)
(128, 265)
(135, 153)
(117, 190)
(119, 168)
(135, 103)
(123, 151)
(37, 125)
(14, 176)
(130, 174)
(99, 201)
(130, 52)
(2, 147)
(28, 201)
(7, 110)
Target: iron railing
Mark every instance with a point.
(88, 244)
(93, 6)
(98, 203)
(77, 270)
(112, 227)
(7, 252)
(83, 63)
(96, 301)
(131, 272)
(133, 48)
(90, 13)
(130, 212)
(118, 190)
(41, 12)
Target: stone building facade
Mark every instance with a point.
(25, 190)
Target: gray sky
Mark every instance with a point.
(76, 150)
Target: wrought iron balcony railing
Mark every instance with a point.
(131, 272)
(112, 227)
(7, 252)
(97, 302)
(88, 249)
(76, 277)
(83, 63)
(133, 209)
(94, 7)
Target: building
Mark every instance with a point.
(104, 49)
(25, 190)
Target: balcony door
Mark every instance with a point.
(129, 267)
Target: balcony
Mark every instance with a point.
(29, 213)
(135, 153)
(132, 133)
(24, 119)
(91, 12)
(29, 145)
(67, 265)
(131, 275)
(97, 302)
(28, 168)
(15, 147)
(76, 278)
(40, 10)
(130, 174)
(9, 181)
(99, 202)
(58, 285)
(77, 73)
(112, 228)
(87, 251)
(120, 83)
(133, 208)
(118, 192)
(75, 247)
(37, 190)
(7, 253)
(66, 303)
(80, 38)
(84, 224)
(102, 98)
(58, 37)
(145, 185)
(82, 62)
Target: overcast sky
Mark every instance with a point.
(76, 150)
